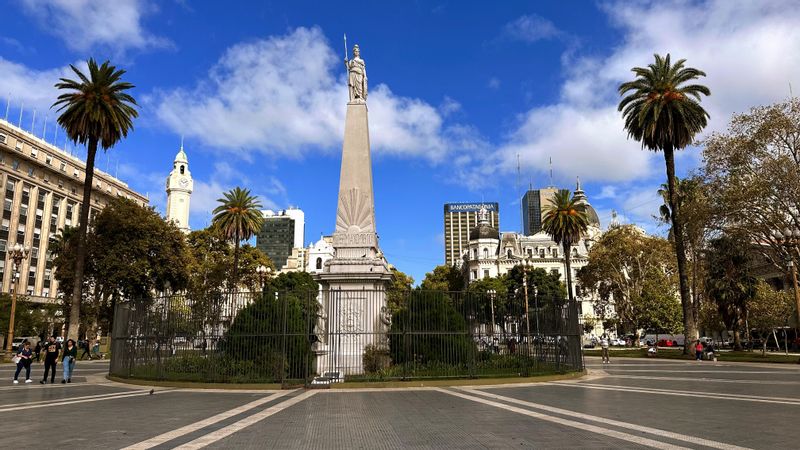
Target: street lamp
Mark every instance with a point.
(525, 265)
(491, 293)
(17, 253)
(790, 239)
(263, 273)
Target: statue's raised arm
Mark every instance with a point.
(356, 76)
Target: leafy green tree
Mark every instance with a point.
(238, 217)
(767, 310)
(96, 110)
(398, 290)
(565, 221)
(547, 285)
(443, 278)
(249, 259)
(31, 318)
(493, 295)
(138, 253)
(697, 211)
(730, 282)
(753, 170)
(637, 274)
(663, 112)
(445, 334)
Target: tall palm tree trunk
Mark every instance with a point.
(235, 262)
(568, 264)
(689, 323)
(80, 251)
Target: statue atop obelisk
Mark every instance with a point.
(353, 283)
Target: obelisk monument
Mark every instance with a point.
(353, 296)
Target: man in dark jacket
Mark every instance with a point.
(51, 348)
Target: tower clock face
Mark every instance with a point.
(184, 182)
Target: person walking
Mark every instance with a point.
(698, 350)
(604, 343)
(50, 359)
(96, 350)
(86, 350)
(25, 355)
(68, 361)
(38, 349)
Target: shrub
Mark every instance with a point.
(376, 359)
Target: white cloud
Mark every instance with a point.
(87, 24)
(286, 95)
(530, 28)
(748, 49)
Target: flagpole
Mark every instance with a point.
(21, 108)
(33, 122)
(8, 105)
(44, 131)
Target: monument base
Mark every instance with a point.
(355, 316)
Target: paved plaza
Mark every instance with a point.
(630, 403)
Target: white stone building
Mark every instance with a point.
(490, 253)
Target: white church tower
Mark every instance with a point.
(179, 191)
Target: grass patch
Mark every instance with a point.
(724, 356)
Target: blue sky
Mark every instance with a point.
(457, 91)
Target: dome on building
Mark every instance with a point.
(581, 199)
(483, 230)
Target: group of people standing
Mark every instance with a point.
(52, 351)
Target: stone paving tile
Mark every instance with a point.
(415, 419)
(114, 423)
(756, 425)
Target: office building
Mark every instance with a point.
(533, 204)
(282, 232)
(459, 219)
(42, 193)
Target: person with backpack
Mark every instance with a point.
(51, 349)
(604, 343)
(698, 348)
(25, 355)
(68, 361)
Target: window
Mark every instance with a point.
(485, 253)
(60, 183)
(45, 292)
(19, 145)
(508, 253)
(474, 253)
(34, 152)
(4, 226)
(555, 253)
(48, 160)
(574, 252)
(31, 172)
(63, 167)
(474, 274)
(3, 138)
(181, 169)
(35, 252)
(319, 263)
(2, 159)
(15, 165)
(485, 273)
(541, 253)
(75, 173)
(8, 204)
(10, 185)
(530, 252)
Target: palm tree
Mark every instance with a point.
(96, 110)
(565, 221)
(238, 217)
(663, 112)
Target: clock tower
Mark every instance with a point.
(179, 191)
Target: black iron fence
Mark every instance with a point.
(341, 335)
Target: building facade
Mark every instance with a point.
(179, 191)
(281, 238)
(533, 204)
(42, 194)
(459, 219)
(490, 253)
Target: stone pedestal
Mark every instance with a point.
(353, 283)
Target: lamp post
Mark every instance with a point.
(790, 239)
(17, 253)
(525, 265)
(263, 273)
